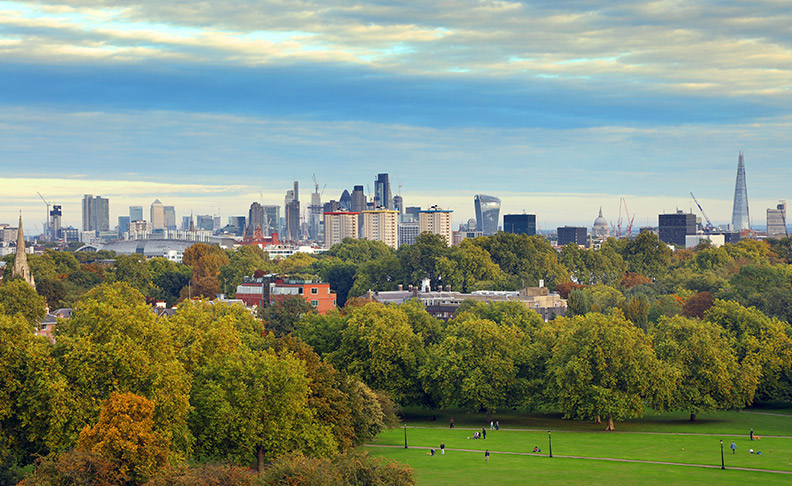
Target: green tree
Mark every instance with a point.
(18, 297)
(467, 266)
(708, 375)
(636, 310)
(359, 251)
(243, 261)
(603, 366)
(528, 258)
(282, 315)
(340, 276)
(134, 271)
(322, 332)
(646, 255)
(420, 260)
(206, 261)
(603, 297)
(578, 304)
(384, 273)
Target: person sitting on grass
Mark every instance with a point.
(536, 449)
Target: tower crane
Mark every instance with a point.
(710, 226)
(46, 215)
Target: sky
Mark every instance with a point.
(557, 107)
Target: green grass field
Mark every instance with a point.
(655, 438)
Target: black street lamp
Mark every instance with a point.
(723, 464)
(405, 435)
(550, 442)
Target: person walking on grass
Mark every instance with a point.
(452, 423)
(442, 448)
(733, 447)
(486, 456)
(483, 433)
(751, 435)
(492, 425)
(497, 425)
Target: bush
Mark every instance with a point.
(204, 475)
(75, 468)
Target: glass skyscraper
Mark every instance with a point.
(487, 213)
(740, 218)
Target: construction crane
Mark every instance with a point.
(316, 184)
(46, 215)
(709, 226)
(623, 203)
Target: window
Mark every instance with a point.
(314, 290)
(315, 303)
(300, 290)
(334, 302)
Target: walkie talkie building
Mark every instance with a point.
(487, 213)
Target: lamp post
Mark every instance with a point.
(550, 442)
(723, 464)
(405, 435)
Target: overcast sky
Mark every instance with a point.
(558, 107)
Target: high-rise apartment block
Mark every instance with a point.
(95, 213)
(741, 220)
(577, 235)
(382, 225)
(674, 227)
(776, 221)
(519, 224)
(438, 221)
(487, 213)
(339, 225)
(157, 215)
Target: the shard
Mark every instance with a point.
(740, 218)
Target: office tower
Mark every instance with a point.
(332, 206)
(95, 213)
(157, 215)
(487, 213)
(315, 213)
(339, 225)
(256, 219)
(776, 221)
(408, 232)
(382, 225)
(577, 235)
(519, 224)
(411, 214)
(672, 228)
(292, 204)
(205, 222)
(21, 268)
(345, 203)
(136, 213)
(170, 217)
(55, 216)
(236, 225)
(398, 205)
(600, 228)
(358, 199)
(740, 218)
(123, 224)
(271, 219)
(382, 192)
(217, 222)
(187, 223)
(438, 221)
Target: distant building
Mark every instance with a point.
(339, 225)
(741, 220)
(716, 240)
(136, 213)
(411, 214)
(21, 268)
(271, 219)
(382, 192)
(170, 217)
(519, 224)
(358, 201)
(123, 224)
(187, 223)
(408, 232)
(382, 225)
(345, 203)
(398, 205)
(55, 216)
(157, 215)
(487, 213)
(236, 225)
(577, 235)
(204, 222)
(776, 221)
(438, 221)
(292, 205)
(674, 227)
(95, 213)
(268, 289)
(601, 228)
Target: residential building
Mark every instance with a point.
(157, 215)
(487, 213)
(264, 290)
(438, 221)
(519, 224)
(776, 221)
(577, 235)
(674, 227)
(382, 225)
(339, 225)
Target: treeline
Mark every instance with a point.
(132, 396)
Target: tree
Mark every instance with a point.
(383, 273)
(603, 366)
(603, 297)
(18, 297)
(206, 261)
(282, 315)
(476, 366)
(379, 347)
(341, 277)
(636, 310)
(243, 262)
(578, 303)
(255, 404)
(468, 265)
(359, 251)
(420, 260)
(125, 437)
(322, 332)
(708, 374)
(529, 258)
(114, 343)
(646, 255)
(134, 271)
(698, 305)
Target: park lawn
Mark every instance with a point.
(455, 468)
(687, 449)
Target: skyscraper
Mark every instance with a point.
(382, 192)
(157, 215)
(740, 217)
(345, 203)
(292, 203)
(135, 213)
(170, 217)
(487, 213)
(256, 219)
(55, 221)
(95, 213)
(519, 224)
(358, 199)
(271, 219)
(123, 224)
(776, 221)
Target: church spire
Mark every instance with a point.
(21, 267)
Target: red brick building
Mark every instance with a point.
(270, 288)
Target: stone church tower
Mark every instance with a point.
(21, 267)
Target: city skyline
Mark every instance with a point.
(556, 108)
